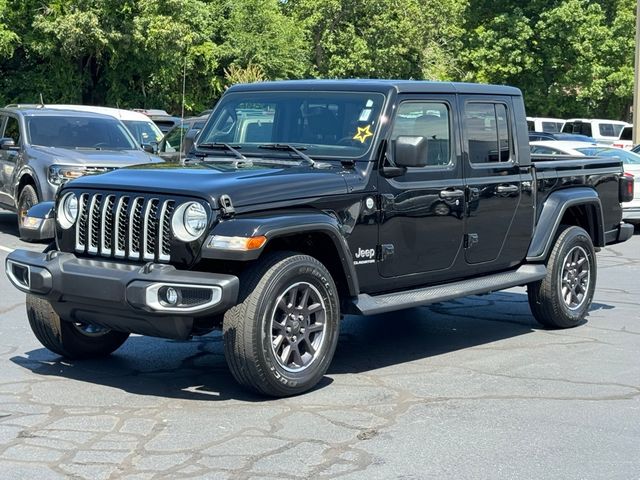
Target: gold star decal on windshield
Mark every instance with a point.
(363, 134)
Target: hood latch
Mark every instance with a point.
(226, 205)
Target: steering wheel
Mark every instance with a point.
(347, 141)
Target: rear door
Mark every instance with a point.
(492, 178)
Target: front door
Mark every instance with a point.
(9, 127)
(421, 228)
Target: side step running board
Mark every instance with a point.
(370, 305)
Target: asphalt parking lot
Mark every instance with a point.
(468, 389)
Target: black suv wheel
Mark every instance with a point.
(71, 340)
(563, 298)
(281, 337)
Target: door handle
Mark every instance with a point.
(507, 188)
(451, 194)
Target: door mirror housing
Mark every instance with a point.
(410, 151)
(151, 147)
(7, 144)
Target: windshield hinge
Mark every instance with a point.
(226, 205)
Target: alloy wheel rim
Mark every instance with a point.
(90, 330)
(298, 327)
(575, 278)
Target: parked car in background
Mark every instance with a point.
(178, 141)
(626, 138)
(604, 131)
(161, 118)
(544, 124)
(42, 148)
(144, 131)
(630, 162)
(565, 137)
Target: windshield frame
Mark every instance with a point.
(379, 121)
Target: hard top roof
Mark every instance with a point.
(382, 86)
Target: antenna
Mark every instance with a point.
(184, 88)
(41, 101)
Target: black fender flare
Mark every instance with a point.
(280, 225)
(553, 209)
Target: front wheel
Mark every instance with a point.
(27, 198)
(68, 339)
(563, 298)
(280, 339)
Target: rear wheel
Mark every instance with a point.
(27, 198)
(563, 298)
(69, 339)
(281, 337)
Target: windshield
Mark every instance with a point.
(625, 156)
(79, 132)
(143, 132)
(324, 123)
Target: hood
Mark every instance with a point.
(97, 158)
(258, 184)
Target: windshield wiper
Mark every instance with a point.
(290, 148)
(241, 159)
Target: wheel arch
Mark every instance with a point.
(315, 234)
(579, 207)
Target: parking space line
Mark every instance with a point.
(5, 249)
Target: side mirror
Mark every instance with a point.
(187, 143)
(410, 151)
(7, 144)
(150, 147)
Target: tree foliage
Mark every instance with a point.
(570, 57)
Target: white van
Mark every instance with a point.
(602, 131)
(142, 128)
(545, 124)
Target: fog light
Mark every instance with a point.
(171, 296)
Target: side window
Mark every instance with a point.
(606, 130)
(429, 120)
(487, 132)
(12, 130)
(584, 129)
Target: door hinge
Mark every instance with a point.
(470, 239)
(386, 251)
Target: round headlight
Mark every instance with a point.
(67, 210)
(189, 221)
(195, 219)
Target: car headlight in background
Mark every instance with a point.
(67, 212)
(59, 174)
(189, 221)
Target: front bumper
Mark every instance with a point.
(122, 296)
(631, 214)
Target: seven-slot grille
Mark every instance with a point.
(124, 226)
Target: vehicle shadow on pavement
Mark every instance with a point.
(196, 369)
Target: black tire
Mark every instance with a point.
(566, 269)
(249, 327)
(27, 198)
(65, 338)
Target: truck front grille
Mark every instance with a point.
(126, 226)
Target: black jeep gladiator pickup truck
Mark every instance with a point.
(305, 200)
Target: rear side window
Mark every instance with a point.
(429, 120)
(487, 131)
(551, 127)
(607, 130)
(12, 130)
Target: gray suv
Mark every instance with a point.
(40, 149)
